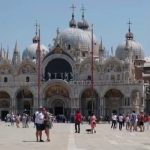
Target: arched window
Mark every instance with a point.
(27, 79)
(69, 46)
(5, 79)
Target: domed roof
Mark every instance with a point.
(83, 24)
(30, 52)
(79, 39)
(122, 51)
(130, 47)
(72, 22)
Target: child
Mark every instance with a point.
(93, 123)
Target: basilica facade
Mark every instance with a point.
(66, 81)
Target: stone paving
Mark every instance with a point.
(64, 138)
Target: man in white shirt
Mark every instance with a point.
(39, 121)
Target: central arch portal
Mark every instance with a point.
(58, 107)
(57, 100)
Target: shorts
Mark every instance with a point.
(141, 123)
(40, 127)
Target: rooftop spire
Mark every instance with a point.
(16, 55)
(101, 45)
(83, 10)
(129, 23)
(1, 51)
(72, 23)
(7, 51)
(73, 8)
(57, 31)
(36, 28)
(36, 37)
(16, 47)
(129, 35)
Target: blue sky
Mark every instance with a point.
(110, 17)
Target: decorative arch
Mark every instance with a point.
(89, 101)
(113, 101)
(86, 64)
(5, 69)
(58, 68)
(4, 99)
(24, 100)
(26, 68)
(57, 98)
(56, 90)
(57, 82)
(62, 56)
(113, 64)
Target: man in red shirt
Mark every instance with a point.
(78, 119)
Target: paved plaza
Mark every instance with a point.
(64, 138)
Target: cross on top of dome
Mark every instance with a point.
(72, 22)
(36, 37)
(83, 23)
(129, 35)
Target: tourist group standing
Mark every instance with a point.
(43, 121)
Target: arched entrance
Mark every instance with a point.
(89, 102)
(24, 101)
(4, 104)
(58, 107)
(113, 102)
(57, 99)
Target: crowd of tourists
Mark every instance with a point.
(43, 122)
(132, 122)
(23, 118)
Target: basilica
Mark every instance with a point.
(76, 73)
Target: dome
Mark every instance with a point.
(72, 22)
(122, 51)
(75, 38)
(30, 52)
(83, 24)
(36, 39)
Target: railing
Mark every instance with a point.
(15, 84)
(79, 82)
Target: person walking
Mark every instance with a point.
(133, 121)
(114, 121)
(120, 120)
(93, 123)
(17, 120)
(78, 119)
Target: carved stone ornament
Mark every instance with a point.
(57, 49)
